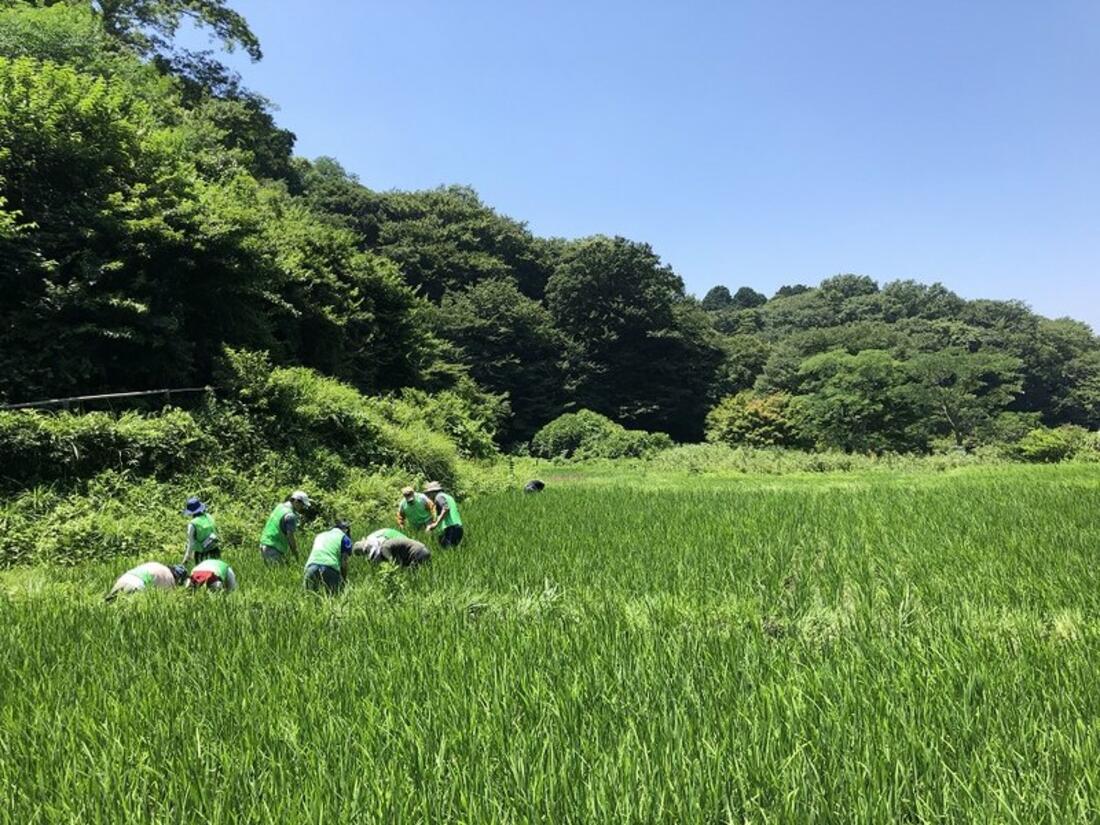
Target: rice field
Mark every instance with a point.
(682, 649)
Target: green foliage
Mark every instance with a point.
(858, 403)
(639, 352)
(587, 434)
(1046, 444)
(963, 391)
(883, 642)
(441, 239)
(303, 411)
(755, 420)
(149, 26)
(511, 346)
(37, 448)
(151, 214)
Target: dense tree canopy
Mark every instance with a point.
(152, 214)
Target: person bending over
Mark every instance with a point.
(327, 565)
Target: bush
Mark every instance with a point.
(586, 434)
(754, 420)
(37, 447)
(1044, 444)
(1090, 448)
(301, 411)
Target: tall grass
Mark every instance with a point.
(868, 648)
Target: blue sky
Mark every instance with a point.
(749, 142)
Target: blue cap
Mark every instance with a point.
(194, 507)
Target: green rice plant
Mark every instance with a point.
(880, 646)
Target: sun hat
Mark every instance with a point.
(299, 495)
(193, 507)
(433, 487)
(407, 491)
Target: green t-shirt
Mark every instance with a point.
(205, 533)
(328, 547)
(216, 566)
(416, 511)
(452, 518)
(273, 535)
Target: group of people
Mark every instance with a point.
(326, 567)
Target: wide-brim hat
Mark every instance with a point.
(407, 491)
(193, 507)
(433, 487)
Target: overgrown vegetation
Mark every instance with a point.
(152, 212)
(96, 485)
(586, 434)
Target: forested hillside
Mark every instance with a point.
(152, 214)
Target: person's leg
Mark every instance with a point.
(334, 582)
(312, 578)
(271, 556)
(419, 556)
(452, 536)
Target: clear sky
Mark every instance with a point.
(756, 142)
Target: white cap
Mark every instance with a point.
(299, 495)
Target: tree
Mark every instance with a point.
(787, 290)
(149, 26)
(717, 298)
(961, 391)
(747, 298)
(510, 345)
(755, 420)
(743, 359)
(442, 239)
(859, 403)
(82, 166)
(639, 351)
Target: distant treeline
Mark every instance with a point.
(152, 214)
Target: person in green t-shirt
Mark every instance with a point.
(279, 536)
(446, 514)
(415, 510)
(327, 565)
(202, 534)
(213, 574)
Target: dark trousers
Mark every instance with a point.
(321, 575)
(452, 536)
(418, 555)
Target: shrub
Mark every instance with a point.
(754, 420)
(37, 447)
(586, 434)
(301, 410)
(1044, 444)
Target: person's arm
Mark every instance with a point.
(290, 528)
(400, 516)
(345, 551)
(187, 554)
(440, 515)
